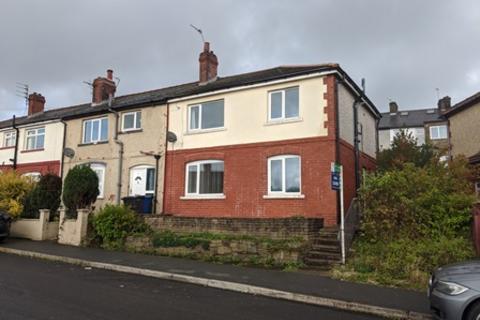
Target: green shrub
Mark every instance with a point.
(114, 223)
(168, 239)
(80, 188)
(13, 191)
(45, 195)
(417, 202)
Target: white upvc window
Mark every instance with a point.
(204, 178)
(35, 139)
(284, 175)
(9, 139)
(33, 176)
(99, 169)
(283, 104)
(205, 116)
(131, 121)
(95, 130)
(438, 132)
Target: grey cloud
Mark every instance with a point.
(405, 49)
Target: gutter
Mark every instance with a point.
(120, 153)
(17, 137)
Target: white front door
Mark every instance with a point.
(138, 182)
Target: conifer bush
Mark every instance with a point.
(80, 189)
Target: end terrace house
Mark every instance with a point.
(260, 144)
(32, 144)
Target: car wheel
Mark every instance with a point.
(473, 312)
(1, 239)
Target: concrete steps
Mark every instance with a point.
(325, 251)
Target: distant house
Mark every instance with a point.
(464, 124)
(426, 125)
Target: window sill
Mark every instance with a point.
(283, 121)
(203, 197)
(5, 148)
(32, 150)
(130, 131)
(284, 196)
(205, 131)
(92, 143)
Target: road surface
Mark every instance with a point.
(35, 289)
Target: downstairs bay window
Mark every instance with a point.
(204, 179)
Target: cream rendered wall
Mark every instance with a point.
(52, 150)
(465, 131)
(384, 139)
(150, 139)
(246, 117)
(53, 143)
(368, 142)
(5, 153)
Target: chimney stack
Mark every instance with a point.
(103, 88)
(444, 104)
(208, 64)
(393, 107)
(36, 103)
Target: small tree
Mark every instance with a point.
(45, 195)
(13, 190)
(80, 188)
(404, 149)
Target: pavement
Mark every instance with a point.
(310, 287)
(41, 290)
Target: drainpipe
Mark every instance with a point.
(157, 162)
(355, 144)
(64, 142)
(17, 136)
(165, 162)
(120, 152)
(337, 142)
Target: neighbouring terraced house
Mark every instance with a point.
(253, 145)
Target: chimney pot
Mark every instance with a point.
(36, 103)
(208, 64)
(110, 74)
(393, 107)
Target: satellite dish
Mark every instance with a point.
(69, 152)
(171, 137)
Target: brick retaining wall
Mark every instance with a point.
(279, 228)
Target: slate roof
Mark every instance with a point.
(464, 104)
(409, 118)
(159, 96)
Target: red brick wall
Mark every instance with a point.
(42, 167)
(245, 181)
(347, 159)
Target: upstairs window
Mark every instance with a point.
(35, 139)
(204, 178)
(95, 130)
(208, 115)
(438, 132)
(9, 139)
(132, 121)
(284, 175)
(284, 104)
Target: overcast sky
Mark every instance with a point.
(404, 48)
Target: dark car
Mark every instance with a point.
(5, 221)
(454, 291)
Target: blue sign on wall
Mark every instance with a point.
(335, 181)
